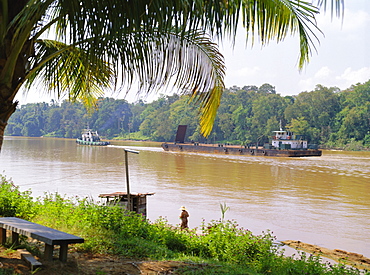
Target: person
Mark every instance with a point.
(184, 217)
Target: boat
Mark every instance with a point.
(89, 137)
(283, 144)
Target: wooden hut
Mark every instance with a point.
(138, 200)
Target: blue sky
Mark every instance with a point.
(342, 58)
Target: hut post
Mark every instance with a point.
(127, 183)
(127, 178)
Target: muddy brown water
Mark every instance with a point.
(318, 200)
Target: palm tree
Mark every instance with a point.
(105, 44)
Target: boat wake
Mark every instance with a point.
(137, 148)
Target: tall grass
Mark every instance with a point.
(222, 246)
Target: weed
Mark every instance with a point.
(222, 247)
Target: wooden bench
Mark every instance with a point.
(39, 232)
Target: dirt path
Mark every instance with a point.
(92, 264)
(338, 255)
(88, 264)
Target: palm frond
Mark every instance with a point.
(18, 32)
(69, 70)
(189, 61)
(4, 17)
(113, 19)
(154, 41)
(271, 20)
(337, 6)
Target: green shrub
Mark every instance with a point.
(222, 246)
(7, 271)
(13, 202)
(139, 248)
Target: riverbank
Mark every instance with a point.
(338, 255)
(117, 238)
(80, 263)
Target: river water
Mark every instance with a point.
(319, 200)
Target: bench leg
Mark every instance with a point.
(15, 238)
(63, 252)
(48, 254)
(2, 236)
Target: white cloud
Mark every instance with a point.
(323, 73)
(246, 71)
(323, 76)
(350, 76)
(341, 79)
(242, 76)
(352, 20)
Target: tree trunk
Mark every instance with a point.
(10, 87)
(6, 110)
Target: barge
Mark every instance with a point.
(283, 144)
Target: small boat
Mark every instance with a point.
(89, 137)
(283, 144)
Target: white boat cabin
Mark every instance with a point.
(287, 140)
(89, 135)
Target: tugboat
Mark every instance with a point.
(283, 144)
(89, 137)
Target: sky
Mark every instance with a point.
(341, 59)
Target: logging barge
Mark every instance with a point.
(283, 144)
(89, 137)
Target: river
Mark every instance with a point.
(319, 200)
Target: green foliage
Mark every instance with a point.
(13, 202)
(367, 140)
(304, 263)
(354, 145)
(134, 247)
(133, 136)
(326, 116)
(224, 209)
(225, 241)
(218, 247)
(7, 271)
(95, 222)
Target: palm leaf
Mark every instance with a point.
(137, 39)
(69, 70)
(123, 31)
(191, 59)
(337, 6)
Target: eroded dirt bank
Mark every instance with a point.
(338, 255)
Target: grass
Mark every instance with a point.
(222, 247)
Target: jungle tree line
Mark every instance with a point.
(328, 117)
(79, 48)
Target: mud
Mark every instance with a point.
(342, 256)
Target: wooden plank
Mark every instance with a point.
(36, 231)
(15, 238)
(27, 256)
(48, 252)
(2, 236)
(63, 249)
(45, 234)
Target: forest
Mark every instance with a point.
(328, 117)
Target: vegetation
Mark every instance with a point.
(326, 116)
(79, 48)
(221, 245)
